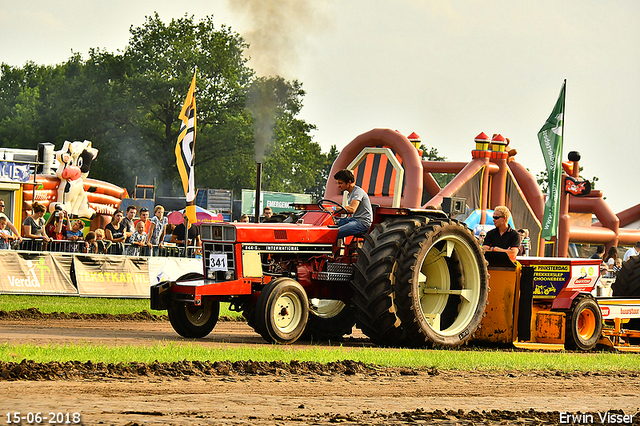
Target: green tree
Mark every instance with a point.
(127, 103)
(543, 180)
(20, 105)
(294, 161)
(317, 191)
(160, 61)
(431, 154)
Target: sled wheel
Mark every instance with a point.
(584, 324)
(282, 311)
(328, 320)
(191, 321)
(442, 284)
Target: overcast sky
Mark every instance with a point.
(447, 70)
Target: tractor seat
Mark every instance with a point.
(354, 240)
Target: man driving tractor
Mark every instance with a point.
(358, 206)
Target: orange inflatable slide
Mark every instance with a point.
(104, 197)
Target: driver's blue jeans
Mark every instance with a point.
(350, 226)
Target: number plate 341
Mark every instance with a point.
(217, 262)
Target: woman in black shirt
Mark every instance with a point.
(114, 231)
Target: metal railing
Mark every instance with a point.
(106, 247)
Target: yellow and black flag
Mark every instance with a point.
(185, 151)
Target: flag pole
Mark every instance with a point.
(185, 154)
(186, 234)
(564, 101)
(551, 144)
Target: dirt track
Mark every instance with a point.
(284, 394)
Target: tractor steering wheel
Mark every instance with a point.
(339, 211)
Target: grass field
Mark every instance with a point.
(413, 358)
(483, 359)
(87, 305)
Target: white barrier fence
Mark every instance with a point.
(105, 247)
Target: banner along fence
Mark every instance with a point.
(88, 275)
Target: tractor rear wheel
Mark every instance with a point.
(374, 280)
(191, 321)
(584, 324)
(282, 311)
(442, 284)
(329, 320)
(249, 314)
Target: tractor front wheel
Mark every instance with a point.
(282, 311)
(584, 324)
(191, 321)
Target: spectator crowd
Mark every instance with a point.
(126, 233)
(611, 262)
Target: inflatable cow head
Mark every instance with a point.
(75, 160)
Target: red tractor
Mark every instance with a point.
(416, 278)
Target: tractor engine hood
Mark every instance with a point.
(276, 233)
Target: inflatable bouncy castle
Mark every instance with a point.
(70, 188)
(389, 167)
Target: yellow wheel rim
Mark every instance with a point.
(287, 312)
(434, 284)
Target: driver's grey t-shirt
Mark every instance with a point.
(364, 213)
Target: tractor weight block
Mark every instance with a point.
(161, 295)
(550, 327)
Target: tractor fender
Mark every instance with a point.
(564, 301)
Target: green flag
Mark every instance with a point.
(550, 137)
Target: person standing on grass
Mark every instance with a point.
(6, 236)
(158, 223)
(116, 231)
(34, 225)
(56, 228)
(10, 225)
(144, 218)
(633, 251)
(193, 237)
(599, 253)
(128, 222)
(138, 239)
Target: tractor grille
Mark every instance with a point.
(344, 268)
(210, 248)
(335, 272)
